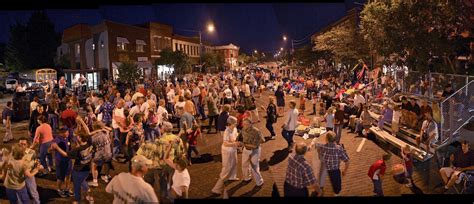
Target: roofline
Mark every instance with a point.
(114, 22)
(345, 17)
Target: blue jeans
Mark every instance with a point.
(378, 187)
(335, 178)
(53, 120)
(32, 189)
(44, 153)
(288, 135)
(13, 195)
(117, 145)
(78, 181)
(149, 133)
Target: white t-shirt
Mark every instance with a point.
(292, 121)
(134, 110)
(119, 113)
(230, 135)
(160, 111)
(128, 188)
(180, 179)
(170, 95)
(358, 99)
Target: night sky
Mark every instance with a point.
(250, 26)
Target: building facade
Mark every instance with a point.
(230, 54)
(97, 51)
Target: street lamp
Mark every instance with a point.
(281, 48)
(255, 51)
(210, 29)
(284, 38)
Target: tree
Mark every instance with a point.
(16, 49)
(308, 57)
(182, 65)
(416, 31)
(176, 59)
(128, 72)
(345, 43)
(2, 52)
(243, 59)
(32, 45)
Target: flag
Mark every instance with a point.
(361, 72)
(380, 95)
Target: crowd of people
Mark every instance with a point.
(154, 128)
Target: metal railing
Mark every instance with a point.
(456, 111)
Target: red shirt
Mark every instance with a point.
(192, 137)
(68, 117)
(142, 91)
(379, 164)
(241, 117)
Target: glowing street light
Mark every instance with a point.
(284, 38)
(281, 48)
(210, 28)
(255, 51)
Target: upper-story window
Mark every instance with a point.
(122, 44)
(140, 45)
(78, 49)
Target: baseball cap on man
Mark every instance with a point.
(141, 160)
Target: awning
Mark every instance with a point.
(140, 42)
(122, 40)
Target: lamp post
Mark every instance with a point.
(210, 29)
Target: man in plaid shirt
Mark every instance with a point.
(299, 174)
(331, 155)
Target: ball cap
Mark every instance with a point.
(141, 160)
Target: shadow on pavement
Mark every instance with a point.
(205, 158)
(232, 190)
(47, 194)
(278, 156)
(264, 165)
(252, 192)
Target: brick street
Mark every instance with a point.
(273, 163)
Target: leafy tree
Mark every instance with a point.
(177, 59)
(345, 43)
(128, 72)
(416, 31)
(32, 45)
(308, 57)
(243, 59)
(182, 65)
(17, 48)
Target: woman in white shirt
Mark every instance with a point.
(229, 156)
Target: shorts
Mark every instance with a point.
(395, 127)
(451, 172)
(63, 169)
(102, 157)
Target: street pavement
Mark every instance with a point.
(273, 164)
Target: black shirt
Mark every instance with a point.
(462, 160)
(83, 157)
(447, 93)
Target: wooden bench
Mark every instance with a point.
(418, 153)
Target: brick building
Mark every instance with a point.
(97, 51)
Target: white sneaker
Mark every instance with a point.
(105, 178)
(93, 184)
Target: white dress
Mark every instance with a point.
(229, 160)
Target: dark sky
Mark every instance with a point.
(250, 26)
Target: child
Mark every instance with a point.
(376, 171)
(192, 142)
(63, 163)
(407, 158)
(90, 118)
(302, 103)
(181, 178)
(329, 118)
(397, 114)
